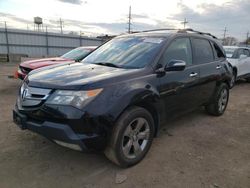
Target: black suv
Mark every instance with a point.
(118, 97)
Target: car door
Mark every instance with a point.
(241, 62)
(246, 64)
(178, 88)
(210, 68)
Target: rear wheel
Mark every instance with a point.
(131, 137)
(219, 102)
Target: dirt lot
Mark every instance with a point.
(197, 150)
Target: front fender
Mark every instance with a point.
(117, 98)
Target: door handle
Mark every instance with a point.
(218, 67)
(193, 74)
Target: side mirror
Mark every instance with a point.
(242, 56)
(175, 65)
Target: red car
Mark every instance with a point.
(74, 55)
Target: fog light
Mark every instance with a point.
(68, 145)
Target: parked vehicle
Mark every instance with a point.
(239, 58)
(74, 55)
(118, 97)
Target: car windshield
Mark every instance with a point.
(230, 52)
(126, 52)
(77, 54)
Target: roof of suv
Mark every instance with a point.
(171, 32)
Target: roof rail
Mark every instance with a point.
(178, 30)
(163, 29)
(195, 31)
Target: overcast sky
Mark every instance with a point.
(110, 16)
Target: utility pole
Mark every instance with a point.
(80, 38)
(224, 34)
(61, 25)
(47, 41)
(7, 39)
(184, 23)
(129, 20)
(247, 38)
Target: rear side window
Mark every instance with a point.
(218, 52)
(179, 49)
(203, 52)
(246, 52)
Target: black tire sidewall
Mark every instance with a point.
(234, 77)
(123, 122)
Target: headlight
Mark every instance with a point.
(73, 98)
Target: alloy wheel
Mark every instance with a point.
(135, 138)
(223, 100)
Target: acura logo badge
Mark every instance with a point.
(25, 93)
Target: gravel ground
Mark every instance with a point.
(196, 150)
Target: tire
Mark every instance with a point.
(248, 79)
(219, 101)
(131, 137)
(233, 80)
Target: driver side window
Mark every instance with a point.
(179, 49)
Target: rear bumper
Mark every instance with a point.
(59, 133)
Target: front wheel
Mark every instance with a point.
(219, 101)
(248, 79)
(131, 137)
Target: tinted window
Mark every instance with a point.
(218, 52)
(203, 52)
(179, 49)
(246, 52)
(127, 52)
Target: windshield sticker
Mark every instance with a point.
(153, 40)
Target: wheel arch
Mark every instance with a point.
(235, 70)
(147, 100)
(227, 82)
(153, 111)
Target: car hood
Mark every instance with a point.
(77, 76)
(37, 63)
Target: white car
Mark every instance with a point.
(239, 58)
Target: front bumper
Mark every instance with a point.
(19, 74)
(60, 133)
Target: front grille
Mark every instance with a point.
(25, 69)
(31, 96)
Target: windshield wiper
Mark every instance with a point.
(108, 64)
